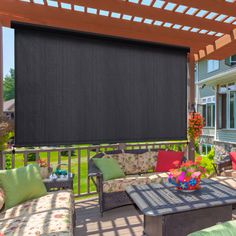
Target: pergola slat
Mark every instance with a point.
(154, 13)
(221, 48)
(40, 14)
(218, 6)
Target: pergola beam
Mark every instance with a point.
(218, 6)
(61, 18)
(220, 49)
(150, 12)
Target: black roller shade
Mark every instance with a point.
(76, 88)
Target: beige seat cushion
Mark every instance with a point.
(131, 163)
(54, 200)
(54, 222)
(117, 185)
(229, 173)
(147, 161)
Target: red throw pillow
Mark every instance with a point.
(167, 160)
(233, 159)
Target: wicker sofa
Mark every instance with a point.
(52, 214)
(138, 166)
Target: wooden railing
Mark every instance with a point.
(75, 159)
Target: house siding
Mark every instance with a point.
(202, 69)
(224, 140)
(226, 136)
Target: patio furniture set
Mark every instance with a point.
(167, 211)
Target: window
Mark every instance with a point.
(212, 65)
(208, 113)
(227, 106)
(206, 148)
(232, 110)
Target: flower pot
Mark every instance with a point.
(188, 184)
(44, 172)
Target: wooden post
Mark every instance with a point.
(191, 100)
(1, 88)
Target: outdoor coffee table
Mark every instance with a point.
(169, 212)
(59, 183)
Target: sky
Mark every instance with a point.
(8, 50)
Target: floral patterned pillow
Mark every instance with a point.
(2, 199)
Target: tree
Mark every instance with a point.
(9, 86)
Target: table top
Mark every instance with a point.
(64, 179)
(163, 199)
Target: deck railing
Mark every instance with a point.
(75, 159)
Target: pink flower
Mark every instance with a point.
(181, 177)
(196, 174)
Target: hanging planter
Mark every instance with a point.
(195, 125)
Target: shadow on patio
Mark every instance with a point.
(120, 221)
(123, 221)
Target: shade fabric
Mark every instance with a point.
(77, 88)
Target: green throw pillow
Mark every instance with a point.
(21, 184)
(225, 229)
(109, 168)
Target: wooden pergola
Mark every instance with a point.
(207, 27)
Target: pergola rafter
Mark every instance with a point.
(63, 18)
(207, 27)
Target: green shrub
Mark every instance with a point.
(8, 162)
(65, 153)
(211, 154)
(31, 157)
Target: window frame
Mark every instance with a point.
(214, 67)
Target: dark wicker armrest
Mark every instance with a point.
(93, 171)
(222, 165)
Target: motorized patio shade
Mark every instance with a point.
(78, 88)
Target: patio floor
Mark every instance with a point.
(123, 221)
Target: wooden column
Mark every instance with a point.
(191, 100)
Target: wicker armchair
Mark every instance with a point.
(107, 201)
(116, 197)
(222, 165)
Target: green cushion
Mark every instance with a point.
(224, 229)
(109, 168)
(21, 184)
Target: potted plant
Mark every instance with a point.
(187, 177)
